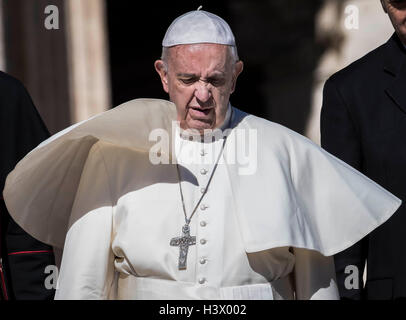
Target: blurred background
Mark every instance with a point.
(81, 57)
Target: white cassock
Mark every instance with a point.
(263, 231)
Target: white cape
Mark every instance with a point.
(299, 196)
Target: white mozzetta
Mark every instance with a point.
(94, 191)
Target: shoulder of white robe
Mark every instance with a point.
(40, 191)
(298, 195)
(302, 196)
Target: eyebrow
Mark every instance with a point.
(186, 75)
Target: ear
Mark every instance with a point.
(383, 3)
(238, 67)
(163, 74)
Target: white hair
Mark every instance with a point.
(164, 55)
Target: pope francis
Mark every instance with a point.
(193, 198)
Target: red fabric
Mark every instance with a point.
(24, 252)
(3, 282)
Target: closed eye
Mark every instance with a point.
(216, 81)
(188, 80)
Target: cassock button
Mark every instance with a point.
(203, 171)
(202, 280)
(203, 223)
(202, 260)
(203, 190)
(202, 153)
(203, 241)
(203, 206)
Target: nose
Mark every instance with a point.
(202, 92)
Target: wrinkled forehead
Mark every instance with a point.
(205, 55)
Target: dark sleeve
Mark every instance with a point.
(340, 137)
(21, 126)
(24, 258)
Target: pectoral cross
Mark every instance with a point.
(183, 243)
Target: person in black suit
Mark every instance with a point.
(363, 122)
(22, 258)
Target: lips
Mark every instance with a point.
(199, 112)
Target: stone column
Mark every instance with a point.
(374, 29)
(65, 70)
(37, 57)
(89, 76)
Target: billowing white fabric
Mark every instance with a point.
(97, 181)
(198, 27)
(131, 236)
(54, 168)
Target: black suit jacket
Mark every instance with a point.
(23, 258)
(363, 122)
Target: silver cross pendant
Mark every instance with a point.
(183, 243)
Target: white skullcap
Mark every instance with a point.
(198, 27)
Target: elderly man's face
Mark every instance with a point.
(199, 79)
(396, 9)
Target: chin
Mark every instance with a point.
(200, 126)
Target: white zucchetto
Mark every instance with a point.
(198, 27)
